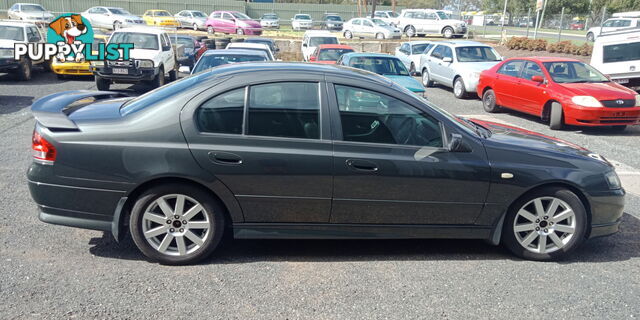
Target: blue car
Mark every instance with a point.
(385, 65)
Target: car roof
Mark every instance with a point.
(368, 55)
(248, 45)
(419, 42)
(334, 46)
(215, 52)
(463, 43)
(259, 39)
(150, 30)
(16, 24)
(318, 33)
(544, 59)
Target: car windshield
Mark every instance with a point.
(476, 54)
(333, 18)
(573, 72)
(261, 41)
(269, 16)
(119, 11)
(442, 15)
(379, 22)
(11, 33)
(332, 54)
(386, 66)
(162, 14)
(240, 16)
(198, 14)
(628, 51)
(302, 17)
(393, 14)
(266, 51)
(316, 41)
(139, 40)
(419, 48)
(212, 61)
(32, 8)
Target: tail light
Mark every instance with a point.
(42, 149)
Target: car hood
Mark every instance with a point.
(533, 140)
(128, 17)
(407, 82)
(451, 21)
(601, 91)
(4, 43)
(164, 18)
(478, 66)
(143, 54)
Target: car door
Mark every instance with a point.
(228, 23)
(367, 29)
(167, 53)
(435, 64)
(531, 95)
(447, 71)
(608, 26)
(390, 164)
(506, 83)
(431, 22)
(33, 36)
(268, 140)
(403, 54)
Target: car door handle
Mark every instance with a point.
(226, 158)
(362, 165)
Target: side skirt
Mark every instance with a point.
(357, 231)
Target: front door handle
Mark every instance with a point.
(362, 165)
(226, 158)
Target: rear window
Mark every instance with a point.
(212, 61)
(332, 54)
(316, 41)
(621, 52)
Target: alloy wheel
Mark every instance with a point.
(457, 88)
(195, 27)
(544, 225)
(176, 225)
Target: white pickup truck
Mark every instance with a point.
(617, 55)
(418, 22)
(151, 60)
(18, 32)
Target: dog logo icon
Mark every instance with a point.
(73, 30)
(69, 27)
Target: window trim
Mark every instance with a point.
(510, 61)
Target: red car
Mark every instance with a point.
(329, 53)
(561, 91)
(579, 25)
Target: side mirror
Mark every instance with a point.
(184, 69)
(455, 143)
(447, 59)
(537, 79)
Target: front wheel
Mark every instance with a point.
(25, 69)
(210, 30)
(195, 27)
(447, 32)
(459, 89)
(176, 224)
(546, 224)
(556, 117)
(240, 32)
(102, 84)
(426, 80)
(379, 36)
(117, 25)
(410, 31)
(158, 81)
(173, 75)
(590, 37)
(348, 34)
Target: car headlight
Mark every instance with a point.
(145, 64)
(6, 53)
(97, 63)
(613, 180)
(586, 101)
(637, 100)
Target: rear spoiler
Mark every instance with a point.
(51, 111)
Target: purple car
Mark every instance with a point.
(232, 22)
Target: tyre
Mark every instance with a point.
(173, 75)
(240, 32)
(556, 117)
(176, 224)
(24, 70)
(348, 34)
(195, 27)
(459, 89)
(158, 81)
(412, 68)
(410, 31)
(102, 84)
(545, 224)
(489, 101)
(117, 25)
(447, 32)
(379, 36)
(426, 80)
(210, 30)
(591, 37)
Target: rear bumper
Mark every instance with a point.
(581, 116)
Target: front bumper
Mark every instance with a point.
(270, 24)
(607, 208)
(252, 31)
(71, 68)
(334, 26)
(133, 75)
(461, 30)
(602, 116)
(8, 64)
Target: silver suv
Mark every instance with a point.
(457, 64)
(416, 22)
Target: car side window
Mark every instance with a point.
(404, 48)
(608, 23)
(531, 69)
(14, 7)
(372, 117)
(33, 35)
(511, 68)
(357, 22)
(427, 48)
(227, 16)
(447, 52)
(625, 23)
(438, 52)
(366, 23)
(430, 16)
(285, 109)
(222, 113)
(216, 15)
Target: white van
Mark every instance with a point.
(617, 55)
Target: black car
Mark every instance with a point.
(301, 151)
(332, 22)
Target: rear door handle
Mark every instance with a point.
(226, 158)
(362, 165)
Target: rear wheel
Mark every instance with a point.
(117, 25)
(348, 34)
(176, 224)
(24, 70)
(590, 37)
(459, 89)
(489, 101)
(240, 32)
(379, 36)
(158, 81)
(102, 84)
(556, 117)
(546, 224)
(410, 31)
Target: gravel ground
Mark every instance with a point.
(58, 272)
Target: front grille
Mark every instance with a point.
(619, 103)
(119, 63)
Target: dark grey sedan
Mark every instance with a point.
(299, 151)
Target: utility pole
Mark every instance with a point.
(544, 9)
(560, 26)
(539, 5)
(586, 21)
(373, 8)
(504, 15)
